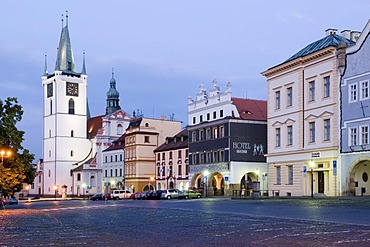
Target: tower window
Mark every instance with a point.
(71, 107)
(72, 133)
(71, 153)
(119, 129)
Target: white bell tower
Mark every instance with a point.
(65, 141)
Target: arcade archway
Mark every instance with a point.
(359, 179)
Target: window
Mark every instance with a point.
(278, 174)
(49, 133)
(201, 135)
(326, 86)
(179, 154)
(364, 90)
(201, 118)
(179, 169)
(215, 133)
(215, 156)
(214, 115)
(209, 157)
(311, 91)
(221, 113)
(201, 158)
(277, 100)
(170, 155)
(327, 130)
(352, 92)
(146, 139)
(120, 172)
(222, 157)
(290, 135)
(72, 133)
(111, 172)
(312, 131)
(194, 136)
(51, 107)
(353, 136)
(49, 173)
(71, 106)
(163, 156)
(364, 135)
(78, 176)
(208, 116)
(120, 157)
(111, 158)
(289, 96)
(208, 134)
(106, 159)
(290, 174)
(106, 173)
(116, 172)
(49, 153)
(222, 134)
(71, 153)
(194, 120)
(119, 129)
(277, 135)
(115, 158)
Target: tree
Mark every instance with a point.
(17, 168)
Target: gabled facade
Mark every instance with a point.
(113, 166)
(303, 120)
(142, 137)
(172, 166)
(227, 142)
(355, 116)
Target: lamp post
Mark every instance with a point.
(311, 164)
(5, 153)
(151, 179)
(205, 174)
(55, 191)
(83, 190)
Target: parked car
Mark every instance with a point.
(12, 201)
(120, 194)
(143, 195)
(97, 197)
(186, 194)
(107, 196)
(158, 194)
(134, 196)
(170, 194)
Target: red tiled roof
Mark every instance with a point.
(93, 125)
(116, 144)
(251, 109)
(175, 142)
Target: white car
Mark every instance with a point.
(120, 194)
(170, 194)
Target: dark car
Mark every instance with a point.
(97, 197)
(158, 194)
(12, 201)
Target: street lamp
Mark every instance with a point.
(205, 174)
(5, 153)
(83, 190)
(312, 165)
(151, 179)
(55, 191)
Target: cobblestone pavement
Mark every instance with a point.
(175, 223)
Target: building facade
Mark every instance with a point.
(172, 166)
(227, 142)
(355, 116)
(142, 137)
(303, 120)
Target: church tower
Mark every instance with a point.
(112, 97)
(65, 114)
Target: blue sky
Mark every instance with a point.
(160, 50)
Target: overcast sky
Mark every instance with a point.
(160, 50)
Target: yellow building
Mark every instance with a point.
(143, 136)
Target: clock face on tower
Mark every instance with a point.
(49, 90)
(72, 89)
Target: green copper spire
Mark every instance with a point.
(65, 61)
(46, 65)
(112, 97)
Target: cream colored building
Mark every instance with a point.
(303, 120)
(142, 137)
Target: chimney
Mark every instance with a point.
(330, 31)
(355, 35)
(346, 34)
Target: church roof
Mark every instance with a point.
(251, 109)
(93, 126)
(330, 40)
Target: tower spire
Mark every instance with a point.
(83, 72)
(66, 17)
(65, 60)
(46, 65)
(112, 97)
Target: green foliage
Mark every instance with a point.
(17, 168)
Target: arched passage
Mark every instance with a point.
(246, 183)
(358, 178)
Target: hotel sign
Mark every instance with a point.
(315, 154)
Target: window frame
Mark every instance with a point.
(311, 91)
(312, 131)
(326, 86)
